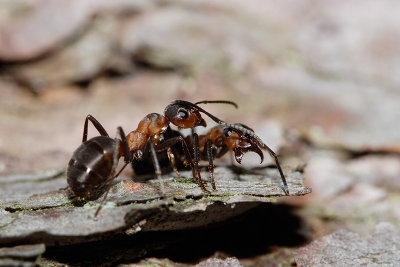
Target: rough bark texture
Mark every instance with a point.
(317, 81)
(53, 218)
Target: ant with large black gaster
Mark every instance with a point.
(93, 164)
(92, 167)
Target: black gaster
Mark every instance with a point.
(91, 167)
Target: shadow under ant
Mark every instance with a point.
(253, 170)
(255, 232)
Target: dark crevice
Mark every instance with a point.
(351, 153)
(253, 233)
(355, 154)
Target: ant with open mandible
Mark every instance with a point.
(225, 137)
(92, 167)
(220, 139)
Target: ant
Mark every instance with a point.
(184, 115)
(220, 139)
(225, 137)
(93, 164)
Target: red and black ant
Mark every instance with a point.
(92, 167)
(220, 139)
(225, 137)
(93, 164)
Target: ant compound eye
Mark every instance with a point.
(227, 133)
(183, 114)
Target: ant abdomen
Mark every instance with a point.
(91, 166)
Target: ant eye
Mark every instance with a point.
(227, 133)
(182, 114)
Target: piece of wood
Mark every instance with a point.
(138, 206)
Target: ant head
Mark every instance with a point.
(237, 131)
(240, 141)
(184, 116)
(187, 115)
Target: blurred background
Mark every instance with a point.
(317, 80)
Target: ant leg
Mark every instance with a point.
(171, 157)
(192, 133)
(102, 202)
(210, 163)
(196, 152)
(108, 189)
(172, 141)
(194, 139)
(275, 157)
(96, 124)
(123, 144)
(157, 168)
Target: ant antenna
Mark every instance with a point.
(217, 102)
